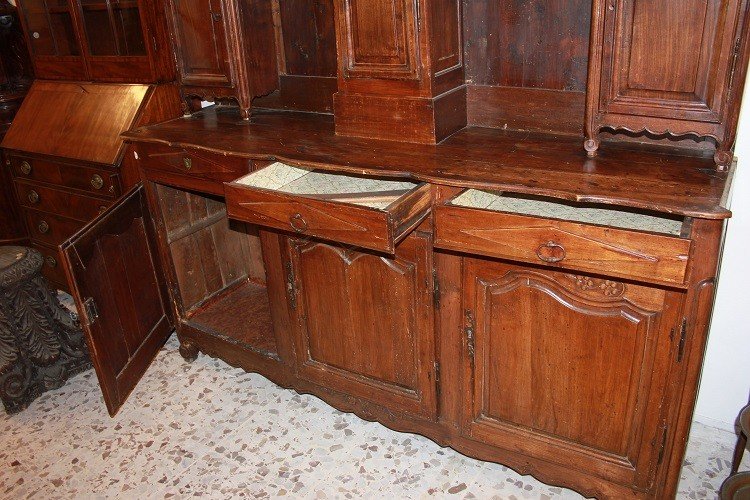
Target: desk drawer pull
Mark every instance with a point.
(33, 197)
(43, 227)
(51, 261)
(97, 182)
(25, 167)
(551, 252)
(298, 223)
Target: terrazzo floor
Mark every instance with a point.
(207, 429)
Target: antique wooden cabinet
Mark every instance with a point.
(410, 229)
(66, 158)
(224, 48)
(651, 73)
(106, 41)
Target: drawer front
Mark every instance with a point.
(99, 181)
(601, 250)
(45, 199)
(340, 222)
(52, 268)
(49, 228)
(192, 163)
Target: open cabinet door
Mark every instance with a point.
(116, 278)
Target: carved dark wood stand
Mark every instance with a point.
(40, 345)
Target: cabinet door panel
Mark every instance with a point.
(366, 322)
(201, 42)
(380, 38)
(567, 367)
(669, 59)
(119, 288)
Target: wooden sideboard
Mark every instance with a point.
(496, 224)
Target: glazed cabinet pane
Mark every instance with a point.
(201, 42)
(567, 367)
(365, 321)
(50, 28)
(660, 67)
(113, 27)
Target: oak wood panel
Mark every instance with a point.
(83, 121)
(598, 249)
(118, 289)
(338, 293)
(309, 37)
(340, 222)
(559, 392)
(476, 157)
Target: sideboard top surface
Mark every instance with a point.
(476, 157)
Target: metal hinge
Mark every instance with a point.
(663, 445)
(735, 58)
(437, 377)
(291, 287)
(90, 311)
(153, 41)
(435, 289)
(681, 345)
(469, 331)
(419, 16)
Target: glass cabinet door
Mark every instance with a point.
(113, 27)
(51, 29)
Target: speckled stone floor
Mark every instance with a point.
(207, 429)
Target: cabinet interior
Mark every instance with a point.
(218, 267)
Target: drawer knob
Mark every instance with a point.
(298, 223)
(551, 252)
(102, 209)
(43, 227)
(33, 196)
(187, 162)
(25, 167)
(51, 261)
(97, 182)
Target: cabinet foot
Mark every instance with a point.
(188, 350)
(723, 159)
(591, 146)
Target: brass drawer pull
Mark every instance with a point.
(33, 197)
(97, 182)
(102, 209)
(43, 227)
(25, 167)
(187, 163)
(551, 252)
(298, 223)
(51, 261)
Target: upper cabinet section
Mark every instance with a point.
(667, 68)
(225, 49)
(98, 40)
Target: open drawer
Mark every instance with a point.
(363, 211)
(606, 241)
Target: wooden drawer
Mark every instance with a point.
(46, 199)
(49, 228)
(366, 212)
(598, 240)
(100, 181)
(198, 165)
(52, 268)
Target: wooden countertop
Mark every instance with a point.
(474, 157)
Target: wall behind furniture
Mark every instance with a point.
(725, 386)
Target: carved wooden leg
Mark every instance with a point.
(188, 350)
(723, 159)
(591, 145)
(739, 450)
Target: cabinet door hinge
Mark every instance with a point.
(437, 377)
(291, 287)
(90, 311)
(469, 332)
(735, 58)
(156, 46)
(435, 289)
(681, 345)
(663, 445)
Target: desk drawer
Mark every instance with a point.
(365, 212)
(99, 181)
(49, 228)
(45, 199)
(194, 163)
(598, 240)
(52, 268)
